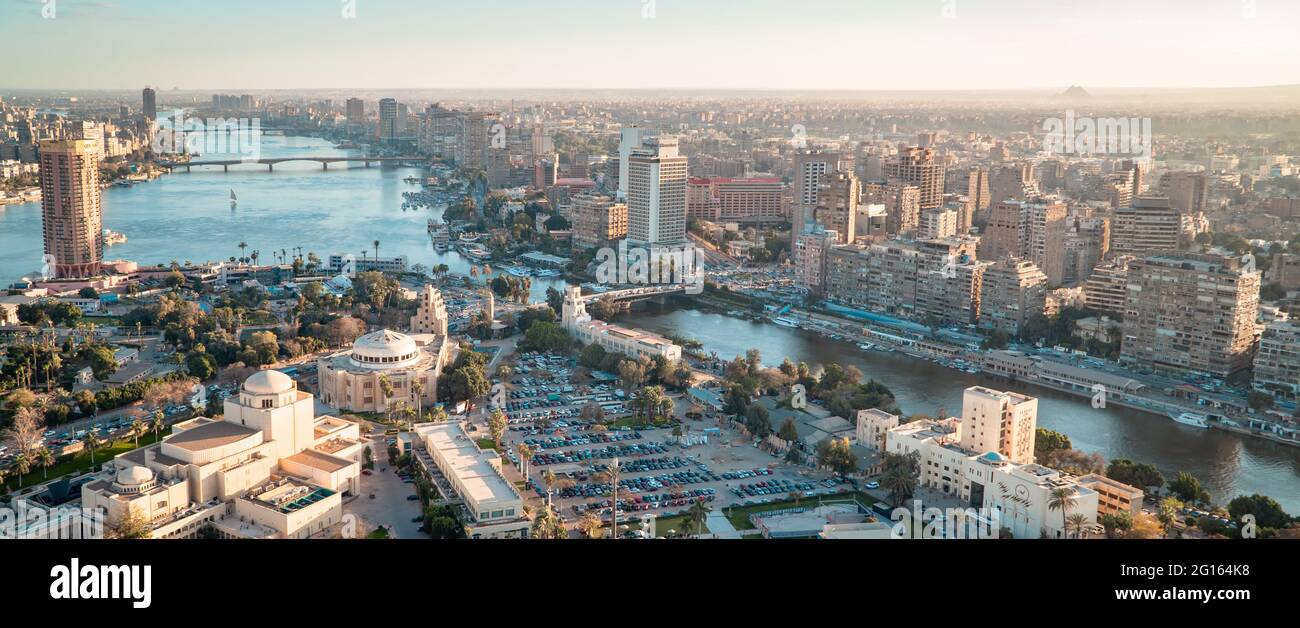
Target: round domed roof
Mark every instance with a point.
(994, 456)
(268, 383)
(134, 476)
(384, 344)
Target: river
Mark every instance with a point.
(187, 216)
(1228, 464)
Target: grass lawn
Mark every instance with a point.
(739, 515)
(486, 444)
(379, 533)
(80, 461)
(102, 320)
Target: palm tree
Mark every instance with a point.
(900, 483)
(22, 464)
(698, 514)
(46, 459)
(525, 458)
(1077, 523)
(417, 390)
(1062, 499)
(376, 249)
(137, 426)
(156, 424)
(242, 246)
(92, 442)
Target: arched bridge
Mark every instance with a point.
(643, 292)
(270, 162)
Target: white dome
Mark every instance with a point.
(268, 383)
(384, 348)
(134, 476)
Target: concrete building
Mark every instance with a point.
(1113, 497)
(353, 379)
(629, 138)
(1013, 290)
(1188, 191)
(430, 314)
(149, 103)
(656, 193)
(752, 200)
(270, 468)
(1106, 289)
(1277, 363)
(71, 216)
(928, 280)
(494, 507)
(811, 250)
(1150, 225)
(1191, 313)
(919, 167)
(625, 340)
(837, 204)
(809, 168)
(597, 220)
(902, 206)
(999, 421)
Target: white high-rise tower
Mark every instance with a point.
(656, 193)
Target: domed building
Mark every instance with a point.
(267, 468)
(351, 380)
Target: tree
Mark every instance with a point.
(1167, 513)
(834, 454)
(900, 475)
(1134, 474)
(589, 525)
(137, 426)
(1062, 499)
(758, 421)
(102, 361)
(1267, 512)
(548, 526)
(24, 433)
(698, 514)
(92, 442)
(1046, 441)
(22, 464)
(46, 459)
(468, 384)
(545, 336)
(131, 525)
(1187, 488)
(201, 365)
(1076, 524)
(497, 426)
(1145, 526)
(1116, 523)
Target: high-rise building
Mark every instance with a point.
(356, 112)
(902, 205)
(1191, 313)
(149, 103)
(1188, 191)
(388, 120)
(1149, 225)
(1007, 231)
(809, 168)
(928, 280)
(919, 167)
(656, 193)
(1047, 239)
(1004, 422)
(1106, 289)
(1087, 241)
(751, 200)
(837, 204)
(1013, 291)
(1013, 182)
(71, 216)
(811, 249)
(597, 220)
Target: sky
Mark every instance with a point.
(648, 44)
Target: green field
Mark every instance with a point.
(80, 461)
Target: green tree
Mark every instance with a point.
(1187, 488)
(1062, 499)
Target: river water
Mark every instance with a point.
(187, 216)
(1226, 463)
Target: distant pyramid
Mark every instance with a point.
(1075, 92)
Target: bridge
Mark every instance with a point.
(636, 294)
(270, 162)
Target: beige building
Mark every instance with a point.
(1149, 225)
(611, 337)
(353, 379)
(837, 204)
(919, 167)
(902, 205)
(597, 220)
(999, 421)
(431, 313)
(494, 507)
(1277, 363)
(1107, 287)
(269, 468)
(811, 251)
(1113, 497)
(71, 216)
(1013, 290)
(656, 193)
(1191, 313)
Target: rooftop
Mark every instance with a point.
(209, 435)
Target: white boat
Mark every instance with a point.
(1192, 419)
(785, 322)
(866, 346)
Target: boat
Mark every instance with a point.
(233, 199)
(112, 237)
(785, 321)
(866, 346)
(1192, 419)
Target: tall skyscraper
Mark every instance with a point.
(656, 193)
(388, 130)
(149, 103)
(837, 204)
(1187, 190)
(918, 166)
(70, 207)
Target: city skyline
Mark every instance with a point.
(943, 45)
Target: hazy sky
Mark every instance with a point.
(770, 44)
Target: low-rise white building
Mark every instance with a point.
(494, 507)
(625, 340)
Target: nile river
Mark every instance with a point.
(1227, 463)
